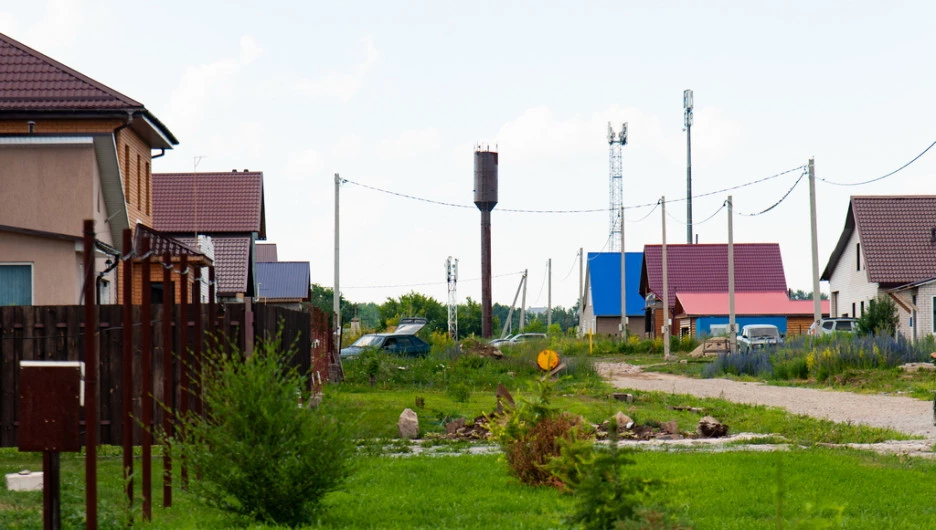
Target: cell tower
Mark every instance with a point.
(616, 185)
(451, 275)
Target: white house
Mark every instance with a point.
(888, 247)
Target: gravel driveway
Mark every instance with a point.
(903, 414)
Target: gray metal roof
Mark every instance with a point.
(284, 280)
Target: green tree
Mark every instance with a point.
(414, 304)
(800, 294)
(881, 318)
(323, 298)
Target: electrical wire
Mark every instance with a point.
(882, 177)
(774, 205)
(644, 218)
(545, 275)
(572, 268)
(428, 283)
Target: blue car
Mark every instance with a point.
(403, 341)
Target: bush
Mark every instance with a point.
(880, 319)
(255, 452)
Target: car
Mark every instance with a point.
(758, 336)
(826, 326)
(403, 341)
(520, 338)
(495, 342)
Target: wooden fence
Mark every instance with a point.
(56, 333)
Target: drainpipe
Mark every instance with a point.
(101, 275)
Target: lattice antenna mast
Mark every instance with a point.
(451, 274)
(615, 185)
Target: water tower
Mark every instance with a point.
(485, 198)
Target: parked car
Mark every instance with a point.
(757, 336)
(495, 342)
(403, 341)
(520, 338)
(832, 325)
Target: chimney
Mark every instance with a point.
(31, 126)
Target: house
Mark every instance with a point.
(887, 248)
(71, 149)
(284, 283)
(704, 269)
(698, 312)
(229, 208)
(601, 311)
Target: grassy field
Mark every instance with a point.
(718, 491)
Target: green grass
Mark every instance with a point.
(718, 491)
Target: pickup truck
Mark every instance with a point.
(757, 336)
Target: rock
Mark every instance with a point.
(408, 425)
(25, 480)
(455, 426)
(621, 396)
(916, 367)
(711, 428)
(670, 427)
(624, 422)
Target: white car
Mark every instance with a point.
(757, 336)
(518, 338)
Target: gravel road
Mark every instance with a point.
(903, 414)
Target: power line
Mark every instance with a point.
(428, 283)
(774, 205)
(882, 177)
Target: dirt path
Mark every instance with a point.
(907, 415)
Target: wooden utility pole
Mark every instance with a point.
(666, 313)
(817, 297)
(623, 281)
(732, 332)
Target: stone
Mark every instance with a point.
(711, 428)
(670, 427)
(24, 481)
(455, 426)
(621, 396)
(408, 425)
(624, 422)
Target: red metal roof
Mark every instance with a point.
(209, 203)
(266, 252)
(231, 261)
(897, 235)
(704, 268)
(746, 303)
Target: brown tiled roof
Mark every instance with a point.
(34, 84)
(897, 235)
(266, 252)
(209, 203)
(231, 261)
(704, 268)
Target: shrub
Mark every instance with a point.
(459, 392)
(755, 364)
(255, 452)
(530, 435)
(880, 319)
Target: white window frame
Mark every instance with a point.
(32, 276)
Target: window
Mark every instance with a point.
(139, 184)
(149, 187)
(857, 256)
(854, 315)
(16, 284)
(158, 292)
(126, 170)
(862, 307)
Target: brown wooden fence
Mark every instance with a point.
(56, 333)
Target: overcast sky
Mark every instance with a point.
(394, 95)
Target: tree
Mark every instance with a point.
(800, 294)
(881, 318)
(323, 298)
(414, 304)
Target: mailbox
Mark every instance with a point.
(51, 394)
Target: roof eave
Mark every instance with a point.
(842, 243)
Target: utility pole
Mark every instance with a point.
(732, 332)
(623, 281)
(817, 298)
(666, 314)
(336, 293)
(549, 294)
(523, 303)
(581, 292)
(687, 116)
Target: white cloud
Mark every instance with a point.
(347, 146)
(342, 85)
(59, 26)
(410, 143)
(199, 86)
(304, 164)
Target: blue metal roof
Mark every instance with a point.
(283, 279)
(604, 272)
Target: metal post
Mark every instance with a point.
(146, 376)
(732, 332)
(91, 377)
(336, 293)
(623, 281)
(581, 291)
(183, 358)
(817, 297)
(666, 315)
(688, 105)
(126, 383)
(168, 397)
(549, 296)
(523, 302)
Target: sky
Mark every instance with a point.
(396, 95)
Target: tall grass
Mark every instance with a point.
(821, 358)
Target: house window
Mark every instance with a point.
(862, 307)
(854, 315)
(126, 169)
(835, 300)
(16, 284)
(857, 256)
(149, 187)
(139, 184)
(158, 293)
